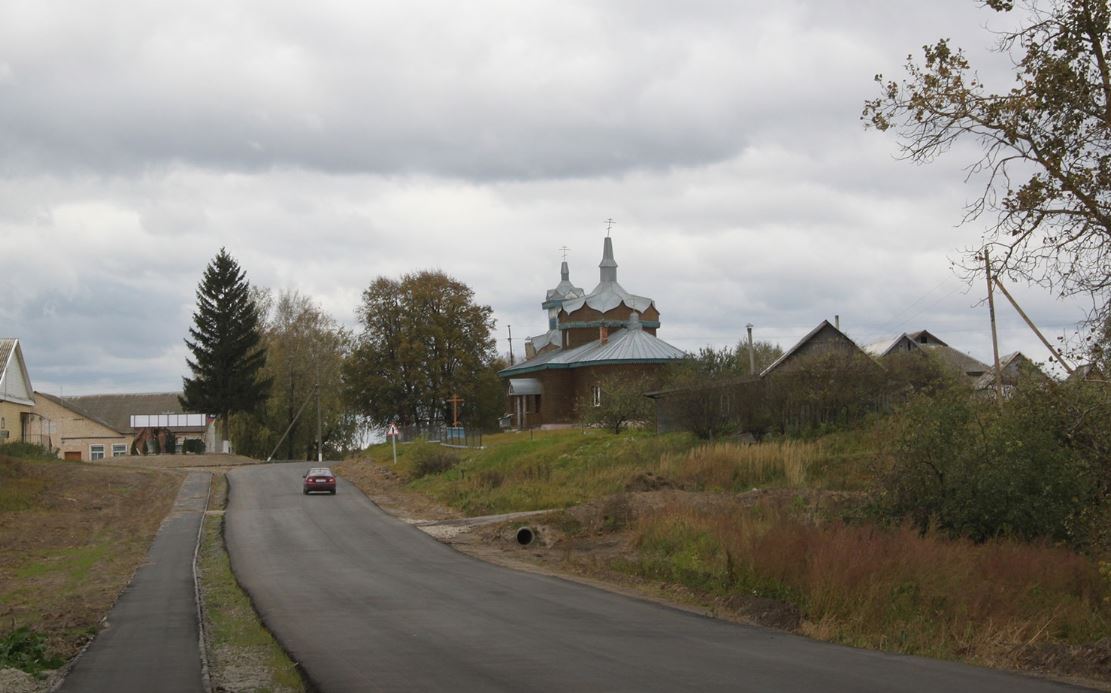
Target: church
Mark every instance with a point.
(590, 336)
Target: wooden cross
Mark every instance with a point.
(455, 400)
(564, 250)
(609, 226)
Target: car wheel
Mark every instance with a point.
(305, 491)
(333, 492)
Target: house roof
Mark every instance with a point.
(823, 325)
(15, 384)
(957, 359)
(886, 346)
(117, 409)
(81, 411)
(629, 345)
(1013, 366)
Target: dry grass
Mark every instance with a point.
(71, 536)
(734, 466)
(887, 589)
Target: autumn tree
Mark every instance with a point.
(305, 350)
(226, 348)
(424, 340)
(1045, 160)
(618, 400)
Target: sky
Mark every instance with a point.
(326, 144)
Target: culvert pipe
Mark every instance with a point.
(525, 536)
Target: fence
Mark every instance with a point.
(449, 436)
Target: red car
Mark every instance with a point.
(320, 479)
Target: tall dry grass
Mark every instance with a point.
(736, 466)
(892, 589)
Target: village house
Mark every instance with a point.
(17, 399)
(590, 336)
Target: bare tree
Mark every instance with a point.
(1046, 164)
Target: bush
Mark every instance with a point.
(193, 445)
(429, 458)
(1037, 466)
(26, 451)
(24, 649)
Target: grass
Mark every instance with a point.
(71, 536)
(560, 469)
(891, 589)
(240, 648)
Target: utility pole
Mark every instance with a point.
(751, 351)
(1032, 326)
(319, 439)
(994, 335)
(510, 344)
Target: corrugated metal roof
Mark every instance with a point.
(7, 346)
(623, 346)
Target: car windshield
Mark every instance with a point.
(323, 471)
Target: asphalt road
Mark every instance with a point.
(366, 603)
(151, 641)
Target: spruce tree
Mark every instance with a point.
(226, 344)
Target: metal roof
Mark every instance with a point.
(565, 289)
(630, 345)
(608, 294)
(549, 337)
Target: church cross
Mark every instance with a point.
(455, 400)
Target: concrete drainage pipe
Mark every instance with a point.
(525, 536)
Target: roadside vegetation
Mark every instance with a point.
(242, 654)
(71, 536)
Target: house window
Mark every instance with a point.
(119, 449)
(96, 452)
(596, 395)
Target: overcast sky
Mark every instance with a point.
(325, 144)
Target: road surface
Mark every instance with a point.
(367, 603)
(151, 641)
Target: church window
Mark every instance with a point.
(596, 395)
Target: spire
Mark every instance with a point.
(564, 273)
(608, 266)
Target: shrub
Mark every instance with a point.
(1037, 466)
(429, 459)
(193, 445)
(24, 649)
(26, 451)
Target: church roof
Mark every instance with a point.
(629, 345)
(565, 289)
(608, 294)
